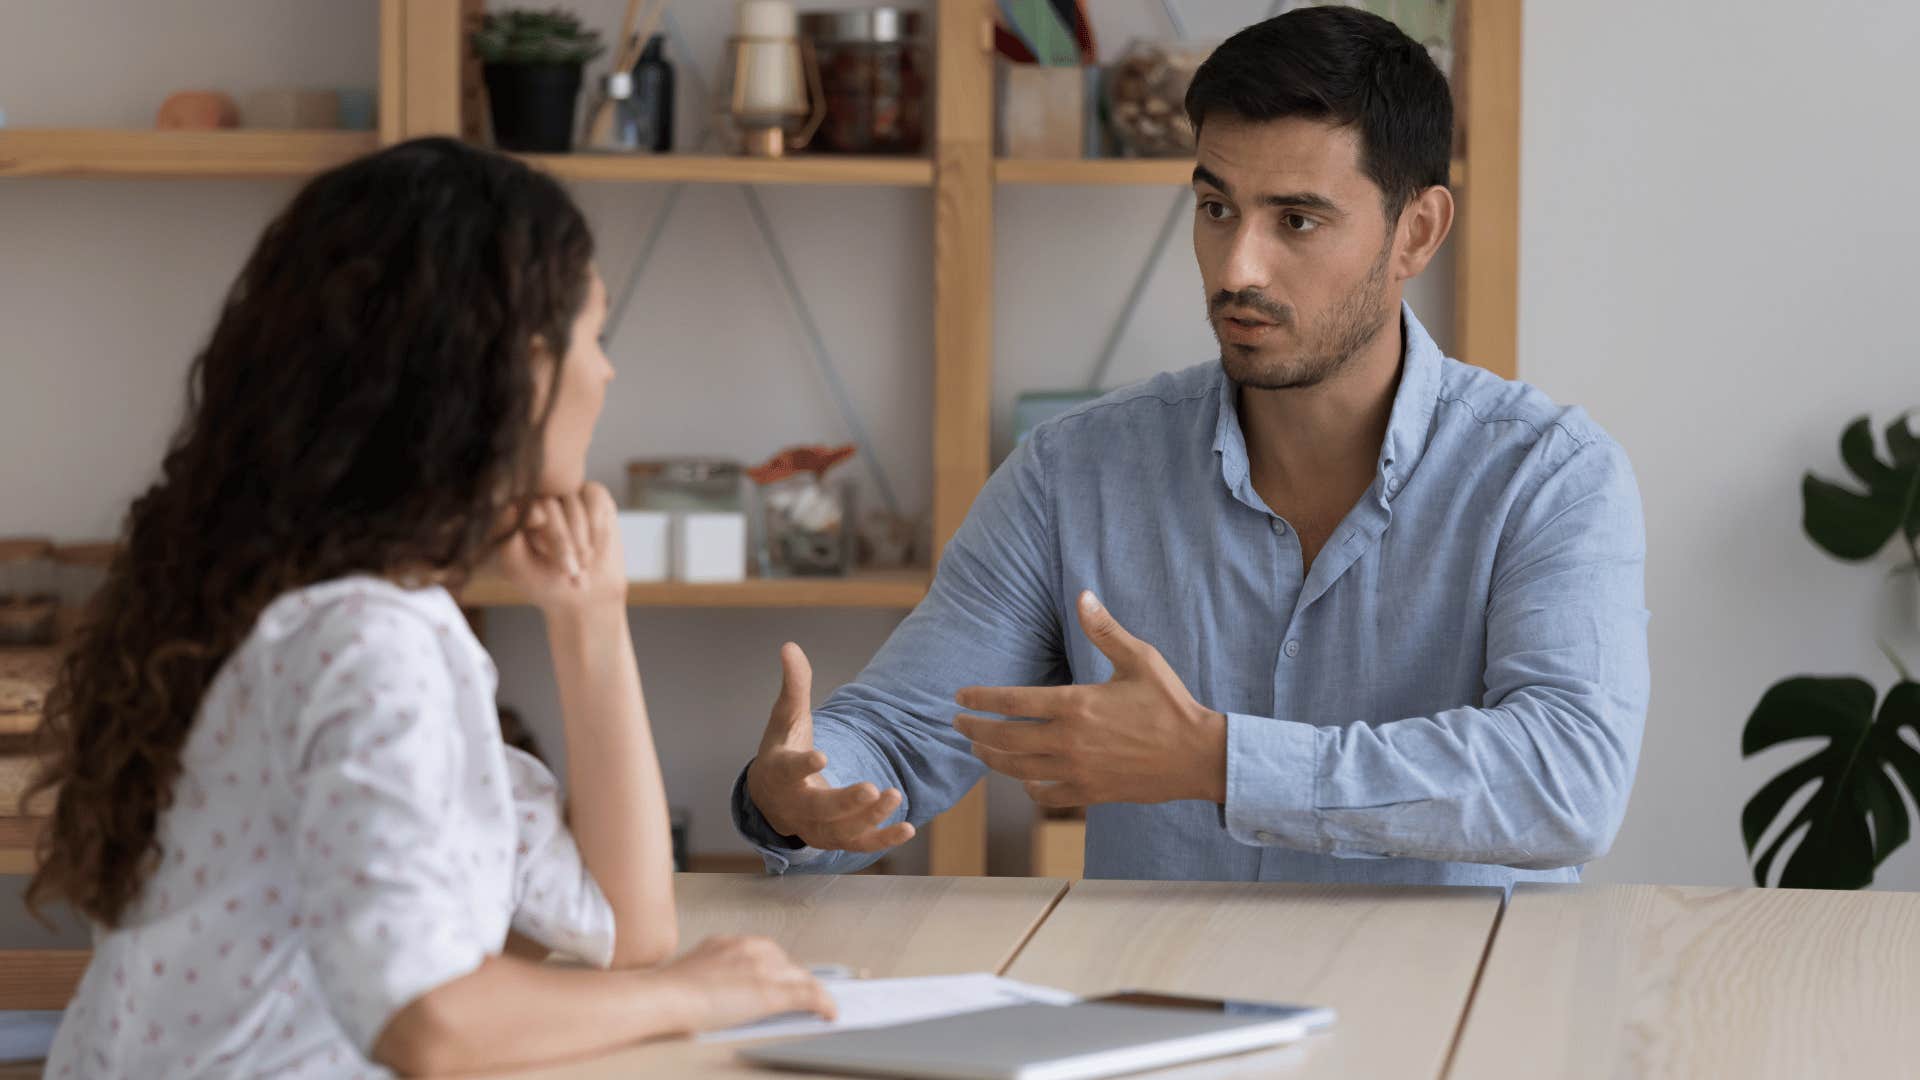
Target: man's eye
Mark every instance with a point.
(1299, 222)
(1215, 210)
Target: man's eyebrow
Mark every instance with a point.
(1303, 200)
(1204, 175)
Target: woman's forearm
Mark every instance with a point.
(513, 1012)
(618, 801)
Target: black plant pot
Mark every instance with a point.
(532, 106)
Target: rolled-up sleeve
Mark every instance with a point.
(1535, 776)
(557, 902)
(385, 886)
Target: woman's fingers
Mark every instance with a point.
(557, 539)
(579, 531)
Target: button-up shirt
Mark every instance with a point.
(1452, 693)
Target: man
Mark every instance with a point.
(1335, 608)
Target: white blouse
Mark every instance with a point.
(347, 832)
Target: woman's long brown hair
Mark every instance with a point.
(365, 405)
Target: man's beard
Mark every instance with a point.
(1324, 351)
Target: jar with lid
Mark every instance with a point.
(28, 596)
(874, 71)
(685, 485)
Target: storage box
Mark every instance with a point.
(710, 547)
(646, 543)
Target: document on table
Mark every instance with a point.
(866, 1003)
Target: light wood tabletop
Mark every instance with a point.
(883, 926)
(1397, 963)
(1664, 981)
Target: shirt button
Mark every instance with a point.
(1293, 649)
(1393, 484)
(1279, 527)
(1264, 836)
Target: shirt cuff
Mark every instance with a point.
(1273, 779)
(780, 853)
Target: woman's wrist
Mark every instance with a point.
(587, 622)
(681, 1008)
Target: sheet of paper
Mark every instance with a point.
(878, 1002)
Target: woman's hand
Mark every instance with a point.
(734, 980)
(567, 556)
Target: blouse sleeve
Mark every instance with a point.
(386, 889)
(557, 902)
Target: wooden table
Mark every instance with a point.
(1397, 963)
(887, 926)
(1658, 981)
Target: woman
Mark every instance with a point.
(283, 796)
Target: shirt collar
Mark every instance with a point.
(1409, 424)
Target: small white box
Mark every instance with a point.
(710, 547)
(644, 541)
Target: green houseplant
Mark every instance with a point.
(531, 64)
(1856, 816)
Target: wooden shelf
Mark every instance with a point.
(18, 836)
(1159, 172)
(19, 723)
(41, 978)
(233, 153)
(718, 169)
(871, 589)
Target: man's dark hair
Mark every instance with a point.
(1346, 67)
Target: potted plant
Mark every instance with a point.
(1856, 816)
(531, 63)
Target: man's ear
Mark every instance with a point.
(1424, 224)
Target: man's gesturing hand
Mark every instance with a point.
(784, 780)
(1138, 738)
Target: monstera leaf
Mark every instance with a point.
(1856, 816)
(1855, 526)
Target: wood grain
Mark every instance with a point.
(1397, 963)
(888, 926)
(1487, 234)
(433, 46)
(962, 334)
(18, 836)
(81, 152)
(40, 978)
(1105, 172)
(1666, 981)
(870, 589)
(720, 169)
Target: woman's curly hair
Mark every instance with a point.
(366, 405)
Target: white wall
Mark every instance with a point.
(1716, 260)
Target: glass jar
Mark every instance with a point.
(806, 527)
(1146, 97)
(698, 485)
(28, 596)
(873, 69)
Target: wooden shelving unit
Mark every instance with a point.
(81, 152)
(1114, 172)
(422, 93)
(715, 169)
(900, 589)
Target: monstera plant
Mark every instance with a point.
(1856, 816)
